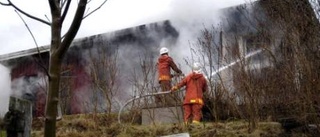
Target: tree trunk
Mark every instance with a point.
(54, 76)
(58, 49)
(52, 97)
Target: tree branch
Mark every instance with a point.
(66, 9)
(53, 5)
(41, 64)
(26, 14)
(47, 18)
(35, 42)
(75, 25)
(5, 4)
(95, 9)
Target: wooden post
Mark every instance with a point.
(25, 107)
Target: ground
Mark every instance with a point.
(107, 126)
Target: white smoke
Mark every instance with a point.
(190, 17)
(28, 85)
(5, 83)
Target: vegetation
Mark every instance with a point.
(2, 129)
(106, 126)
(273, 63)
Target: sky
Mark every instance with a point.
(114, 15)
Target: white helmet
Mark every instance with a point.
(163, 50)
(196, 67)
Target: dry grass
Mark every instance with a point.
(103, 125)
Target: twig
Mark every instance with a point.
(95, 9)
(28, 30)
(41, 64)
(28, 15)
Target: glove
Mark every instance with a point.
(174, 88)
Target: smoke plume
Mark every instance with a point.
(190, 18)
(5, 83)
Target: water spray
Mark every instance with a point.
(238, 60)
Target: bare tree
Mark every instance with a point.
(59, 46)
(272, 61)
(104, 71)
(143, 82)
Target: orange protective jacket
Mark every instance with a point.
(196, 85)
(165, 62)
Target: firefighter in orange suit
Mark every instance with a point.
(165, 64)
(196, 85)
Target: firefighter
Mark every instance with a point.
(196, 85)
(164, 65)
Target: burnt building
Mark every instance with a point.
(87, 66)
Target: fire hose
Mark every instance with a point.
(143, 96)
(138, 97)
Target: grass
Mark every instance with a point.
(3, 133)
(103, 125)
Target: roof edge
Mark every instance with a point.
(23, 53)
(46, 48)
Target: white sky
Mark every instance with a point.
(114, 15)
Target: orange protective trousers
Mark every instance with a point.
(168, 100)
(192, 110)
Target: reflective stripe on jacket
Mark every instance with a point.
(164, 77)
(196, 101)
(196, 85)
